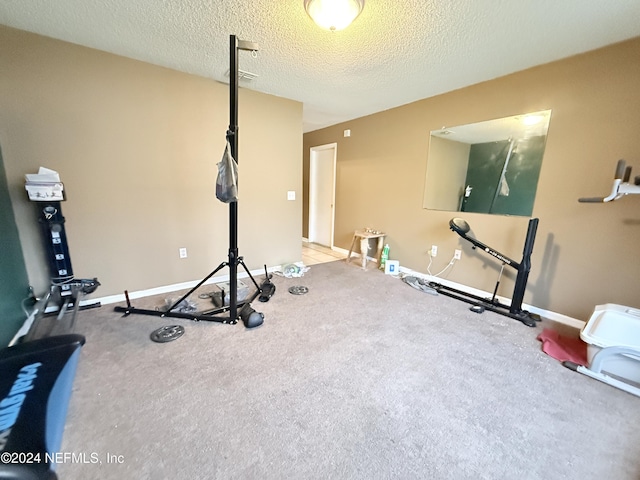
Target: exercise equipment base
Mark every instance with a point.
(214, 315)
(243, 310)
(523, 316)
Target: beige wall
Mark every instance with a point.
(449, 169)
(584, 255)
(136, 146)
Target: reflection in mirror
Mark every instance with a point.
(487, 167)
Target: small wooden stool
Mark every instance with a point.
(364, 245)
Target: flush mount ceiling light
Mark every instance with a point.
(333, 14)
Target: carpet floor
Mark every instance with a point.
(363, 377)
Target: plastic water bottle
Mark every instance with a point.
(385, 256)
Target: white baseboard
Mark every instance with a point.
(556, 317)
(341, 250)
(176, 286)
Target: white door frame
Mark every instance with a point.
(313, 186)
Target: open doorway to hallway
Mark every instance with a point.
(312, 254)
(322, 187)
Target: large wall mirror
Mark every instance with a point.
(487, 167)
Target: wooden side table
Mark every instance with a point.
(364, 238)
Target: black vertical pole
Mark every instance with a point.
(232, 134)
(524, 268)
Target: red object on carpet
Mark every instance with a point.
(563, 348)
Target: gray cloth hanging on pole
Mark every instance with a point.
(227, 181)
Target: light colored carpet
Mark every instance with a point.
(364, 377)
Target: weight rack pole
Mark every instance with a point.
(232, 136)
(233, 206)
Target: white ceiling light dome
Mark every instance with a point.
(333, 14)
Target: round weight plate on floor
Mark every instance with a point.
(298, 290)
(167, 333)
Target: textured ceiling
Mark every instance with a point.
(395, 52)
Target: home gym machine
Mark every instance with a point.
(46, 190)
(621, 186)
(66, 290)
(236, 310)
(514, 310)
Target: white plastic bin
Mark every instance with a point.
(614, 325)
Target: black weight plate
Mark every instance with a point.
(298, 290)
(167, 333)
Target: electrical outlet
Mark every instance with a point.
(183, 253)
(434, 250)
(457, 254)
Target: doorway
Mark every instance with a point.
(322, 190)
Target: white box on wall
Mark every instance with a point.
(44, 186)
(391, 267)
(45, 192)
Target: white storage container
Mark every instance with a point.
(614, 325)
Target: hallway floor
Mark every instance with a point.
(313, 254)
